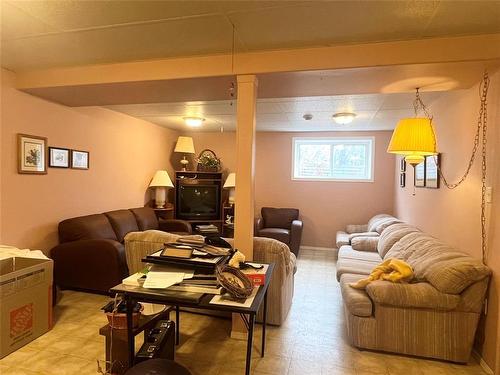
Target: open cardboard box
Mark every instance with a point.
(25, 301)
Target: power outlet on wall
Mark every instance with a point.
(489, 194)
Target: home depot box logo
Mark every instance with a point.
(25, 301)
(21, 322)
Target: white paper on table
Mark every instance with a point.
(162, 280)
(220, 300)
(188, 274)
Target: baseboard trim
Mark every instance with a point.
(318, 248)
(482, 363)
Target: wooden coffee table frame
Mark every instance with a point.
(132, 294)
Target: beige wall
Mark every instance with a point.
(124, 154)
(454, 215)
(325, 206)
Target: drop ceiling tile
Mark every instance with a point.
(18, 24)
(327, 23)
(206, 36)
(465, 18)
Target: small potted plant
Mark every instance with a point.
(208, 161)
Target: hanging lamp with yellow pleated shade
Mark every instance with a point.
(414, 138)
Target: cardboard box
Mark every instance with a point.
(257, 276)
(25, 301)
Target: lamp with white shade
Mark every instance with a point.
(161, 181)
(231, 184)
(185, 146)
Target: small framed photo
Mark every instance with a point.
(419, 175)
(59, 157)
(402, 180)
(79, 159)
(431, 171)
(31, 154)
(402, 165)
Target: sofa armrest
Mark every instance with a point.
(258, 225)
(295, 236)
(418, 295)
(363, 234)
(175, 226)
(95, 265)
(356, 228)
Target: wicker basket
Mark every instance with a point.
(203, 168)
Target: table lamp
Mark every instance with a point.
(231, 184)
(161, 181)
(184, 145)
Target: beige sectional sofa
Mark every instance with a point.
(436, 315)
(373, 228)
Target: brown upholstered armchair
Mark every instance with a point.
(282, 224)
(91, 255)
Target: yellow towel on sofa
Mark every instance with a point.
(395, 270)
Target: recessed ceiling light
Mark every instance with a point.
(193, 121)
(343, 118)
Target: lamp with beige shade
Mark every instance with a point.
(185, 146)
(161, 181)
(230, 184)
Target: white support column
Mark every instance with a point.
(245, 166)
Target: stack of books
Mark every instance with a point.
(207, 229)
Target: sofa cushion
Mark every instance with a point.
(122, 221)
(348, 252)
(365, 243)
(446, 268)
(391, 235)
(279, 217)
(385, 223)
(374, 221)
(417, 295)
(357, 301)
(403, 248)
(90, 227)
(356, 228)
(356, 266)
(146, 218)
(140, 244)
(279, 234)
(342, 239)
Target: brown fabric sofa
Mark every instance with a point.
(282, 224)
(373, 228)
(436, 315)
(91, 254)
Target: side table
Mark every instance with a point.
(116, 340)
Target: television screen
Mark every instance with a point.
(199, 201)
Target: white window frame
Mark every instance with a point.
(339, 139)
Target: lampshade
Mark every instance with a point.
(184, 145)
(161, 178)
(230, 181)
(414, 138)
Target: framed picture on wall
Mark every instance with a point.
(59, 157)
(419, 175)
(402, 180)
(431, 171)
(31, 154)
(402, 167)
(79, 159)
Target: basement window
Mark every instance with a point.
(333, 159)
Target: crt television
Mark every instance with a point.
(198, 202)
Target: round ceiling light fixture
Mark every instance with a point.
(343, 118)
(307, 117)
(193, 121)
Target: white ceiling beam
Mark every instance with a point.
(452, 49)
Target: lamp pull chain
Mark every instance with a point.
(481, 135)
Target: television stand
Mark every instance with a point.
(198, 198)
